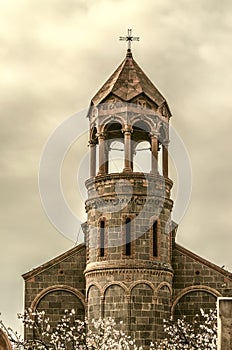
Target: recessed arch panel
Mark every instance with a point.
(115, 304)
(94, 302)
(142, 312)
(192, 299)
(55, 300)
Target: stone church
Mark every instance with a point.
(130, 266)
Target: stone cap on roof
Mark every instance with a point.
(127, 82)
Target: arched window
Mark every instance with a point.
(128, 237)
(102, 238)
(155, 239)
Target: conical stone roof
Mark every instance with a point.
(127, 82)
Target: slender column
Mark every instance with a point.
(165, 159)
(132, 157)
(92, 146)
(127, 148)
(154, 154)
(128, 303)
(101, 142)
(106, 157)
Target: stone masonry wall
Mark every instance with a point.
(56, 302)
(58, 285)
(197, 283)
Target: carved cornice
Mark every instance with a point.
(101, 134)
(134, 204)
(161, 269)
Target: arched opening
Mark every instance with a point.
(141, 147)
(142, 157)
(114, 147)
(116, 156)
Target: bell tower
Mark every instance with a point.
(128, 233)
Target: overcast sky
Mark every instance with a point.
(55, 55)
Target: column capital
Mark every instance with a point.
(165, 143)
(101, 135)
(127, 129)
(92, 143)
(154, 134)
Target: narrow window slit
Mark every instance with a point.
(128, 236)
(155, 239)
(102, 238)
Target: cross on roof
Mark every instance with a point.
(129, 38)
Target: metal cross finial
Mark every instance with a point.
(129, 38)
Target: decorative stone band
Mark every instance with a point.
(135, 178)
(119, 110)
(95, 271)
(133, 205)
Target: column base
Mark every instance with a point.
(154, 172)
(101, 173)
(127, 170)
